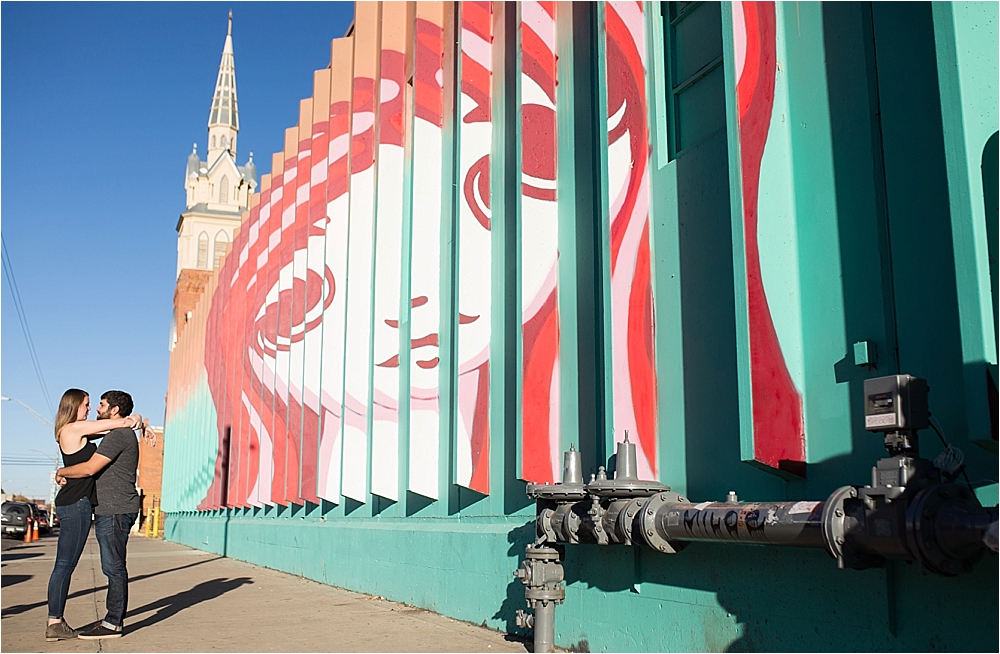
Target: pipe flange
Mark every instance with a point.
(541, 553)
(834, 522)
(647, 522)
(543, 525)
(628, 517)
(625, 489)
(922, 518)
(534, 594)
(556, 492)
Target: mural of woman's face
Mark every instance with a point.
(425, 311)
(625, 116)
(474, 241)
(288, 337)
(539, 217)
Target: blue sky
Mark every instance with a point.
(100, 103)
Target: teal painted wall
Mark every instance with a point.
(193, 450)
(891, 112)
(707, 598)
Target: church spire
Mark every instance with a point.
(224, 120)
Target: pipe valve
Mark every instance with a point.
(542, 576)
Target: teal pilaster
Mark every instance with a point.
(965, 36)
(664, 221)
(739, 242)
(505, 171)
(451, 197)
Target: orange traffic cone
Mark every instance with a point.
(27, 532)
(34, 531)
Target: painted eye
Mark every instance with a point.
(477, 190)
(295, 311)
(538, 162)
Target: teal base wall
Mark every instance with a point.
(707, 598)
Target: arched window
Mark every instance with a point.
(221, 248)
(213, 141)
(202, 251)
(224, 190)
(225, 141)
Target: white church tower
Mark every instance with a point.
(218, 191)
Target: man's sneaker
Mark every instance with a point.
(99, 631)
(59, 631)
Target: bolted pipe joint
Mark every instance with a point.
(938, 526)
(945, 529)
(651, 521)
(542, 576)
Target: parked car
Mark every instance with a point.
(43, 522)
(17, 517)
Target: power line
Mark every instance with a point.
(26, 458)
(8, 271)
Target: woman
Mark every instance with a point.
(76, 500)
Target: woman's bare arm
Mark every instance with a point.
(91, 428)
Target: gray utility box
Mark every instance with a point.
(896, 403)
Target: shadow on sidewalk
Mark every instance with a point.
(19, 556)
(10, 580)
(170, 606)
(21, 608)
(15, 548)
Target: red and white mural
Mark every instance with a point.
(633, 358)
(778, 428)
(475, 256)
(541, 452)
(306, 327)
(425, 252)
(388, 254)
(333, 325)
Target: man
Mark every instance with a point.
(116, 459)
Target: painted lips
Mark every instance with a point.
(426, 364)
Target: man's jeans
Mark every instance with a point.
(112, 536)
(74, 527)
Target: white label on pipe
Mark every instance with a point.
(802, 507)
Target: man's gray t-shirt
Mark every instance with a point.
(116, 483)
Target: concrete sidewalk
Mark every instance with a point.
(184, 600)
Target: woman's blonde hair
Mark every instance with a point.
(68, 407)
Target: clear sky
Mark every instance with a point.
(100, 103)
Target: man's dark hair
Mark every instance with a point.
(119, 399)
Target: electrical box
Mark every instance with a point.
(896, 403)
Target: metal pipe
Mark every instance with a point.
(545, 626)
(960, 529)
(542, 576)
(795, 524)
(906, 513)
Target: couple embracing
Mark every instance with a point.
(96, 481)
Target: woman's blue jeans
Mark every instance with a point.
(74, 527)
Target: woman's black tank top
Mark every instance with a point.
(77, 489)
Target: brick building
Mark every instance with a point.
(150, 477)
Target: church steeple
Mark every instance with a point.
(218, 191)
(224, 120)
